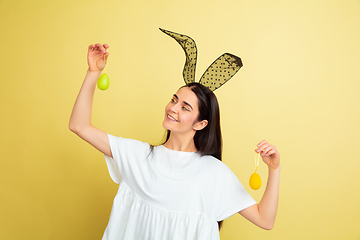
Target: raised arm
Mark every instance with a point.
(264, 213)
(80, 120)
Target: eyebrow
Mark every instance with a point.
(186, 103)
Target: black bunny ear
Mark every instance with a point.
(220, 71)
(189, 46)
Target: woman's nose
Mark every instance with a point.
(175, 108)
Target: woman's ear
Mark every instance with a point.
(200, 125)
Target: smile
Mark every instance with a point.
(171, 118)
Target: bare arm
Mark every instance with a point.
(80, 120)
(264, 213)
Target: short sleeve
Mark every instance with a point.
(126, 154)
(230, 195)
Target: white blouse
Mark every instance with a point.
(169, 195)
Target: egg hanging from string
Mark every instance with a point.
(255, 179)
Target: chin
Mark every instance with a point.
(165, 125)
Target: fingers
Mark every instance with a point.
(263, 144)
(106, 57)
(265, 149)
(91, 48)
(269, 153)
(97, 56)
(98, 47)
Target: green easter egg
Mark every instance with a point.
(103, 82)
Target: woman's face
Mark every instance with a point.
(182, 112)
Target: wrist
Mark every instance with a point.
(96, 71)
(93, 74)
(92, 77)
(274, 169)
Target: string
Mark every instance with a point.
(257, 160)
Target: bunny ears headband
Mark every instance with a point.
(217, 74)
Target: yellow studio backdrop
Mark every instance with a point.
(299, 89)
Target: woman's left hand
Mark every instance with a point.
(270, 155)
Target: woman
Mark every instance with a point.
(180, 189)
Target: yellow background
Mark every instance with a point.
(299, 89)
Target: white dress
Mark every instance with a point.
(169, 195)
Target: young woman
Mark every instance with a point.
(180, 189)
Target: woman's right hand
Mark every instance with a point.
(97, 56)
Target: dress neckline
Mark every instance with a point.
(175, 151)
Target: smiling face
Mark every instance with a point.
(181, 114)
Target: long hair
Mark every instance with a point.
(208, 141)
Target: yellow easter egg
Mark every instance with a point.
(103, 82)
(255, 181)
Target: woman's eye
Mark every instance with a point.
(185, 108)
(172, 100)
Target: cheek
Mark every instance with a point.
(189, 118)
(167, 107)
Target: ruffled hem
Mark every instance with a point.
(133, 218)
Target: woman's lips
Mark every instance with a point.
(171, 118)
